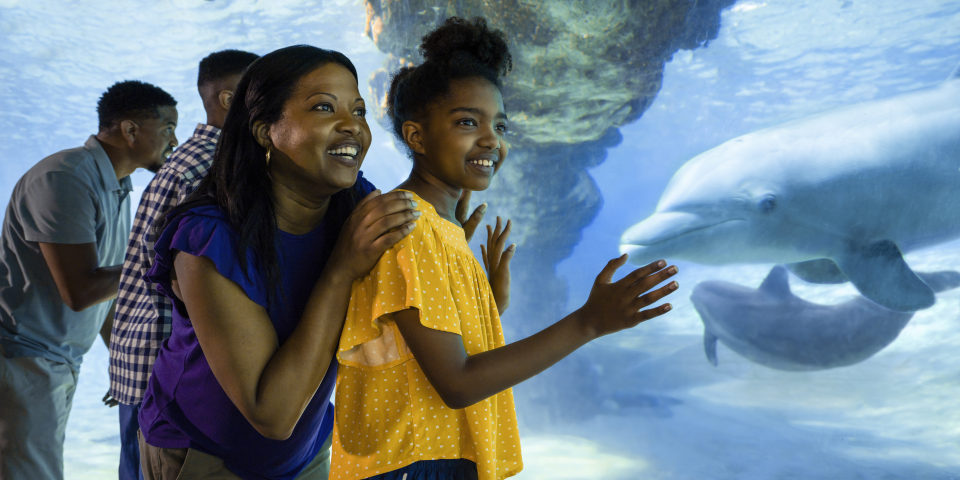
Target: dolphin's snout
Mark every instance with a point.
(660, 227)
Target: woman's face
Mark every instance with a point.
(321, 138)
(463, 138)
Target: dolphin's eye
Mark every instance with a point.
(767, 204)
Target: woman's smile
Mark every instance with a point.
(346, 152)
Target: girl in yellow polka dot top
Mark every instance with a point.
(424, 384)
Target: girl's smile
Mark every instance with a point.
(485, 163)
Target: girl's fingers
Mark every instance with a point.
(644, 301)
(463, 206)
(502, 238)
(483, 255)
(651, 281)
(638, 274)
(470, 226)
(606, 275)
(644, 315)
(507, 255)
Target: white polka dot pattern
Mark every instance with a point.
(387, 413)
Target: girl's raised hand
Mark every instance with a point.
(497, 262)
(377, 223)
(470, 223)
(614, 306)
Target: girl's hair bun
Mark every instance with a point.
(473, 37)
(456, 50)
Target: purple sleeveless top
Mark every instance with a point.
(184, 405)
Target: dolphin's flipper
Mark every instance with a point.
(880, 274)
(710, 347)
(940, 281)
(818, 271)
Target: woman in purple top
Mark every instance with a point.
(259, 262)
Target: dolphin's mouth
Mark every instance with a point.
(662, 227)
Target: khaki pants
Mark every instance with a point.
(36, 395)
(189, 464)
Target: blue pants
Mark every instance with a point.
(444, 469)
(129, 445)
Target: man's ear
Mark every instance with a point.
(225, 98)
(129, 129)
(413, 136)
(261, 132)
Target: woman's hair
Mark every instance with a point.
(237, 180)
(456, 50)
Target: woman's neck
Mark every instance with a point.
(297, 214)
(438, 193)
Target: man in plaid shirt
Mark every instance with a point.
(142, 320)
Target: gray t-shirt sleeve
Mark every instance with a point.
(59, 207)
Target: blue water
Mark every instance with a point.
(889, 417)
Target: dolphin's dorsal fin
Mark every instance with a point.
(777, 283)
(956, 74)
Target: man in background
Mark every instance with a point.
(61, 247)
(143, 315)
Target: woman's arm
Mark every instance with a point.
(463, 380)
(271, 384)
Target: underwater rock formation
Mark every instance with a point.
(581, 70)
(773, 327)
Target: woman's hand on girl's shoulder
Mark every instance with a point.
(377, 223)
(496, 260)
(614, 306)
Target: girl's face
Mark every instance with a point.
(462, 142)
(321, 139)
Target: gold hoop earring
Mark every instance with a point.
(268, 157)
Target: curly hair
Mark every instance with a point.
(456, 50)
(220, 65)
(131, 99)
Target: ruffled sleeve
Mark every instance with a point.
(412, 274)
(204, 231)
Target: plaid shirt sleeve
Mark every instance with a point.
(143, 316)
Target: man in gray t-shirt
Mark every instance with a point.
(61, 250)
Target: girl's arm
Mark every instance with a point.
(463, 380)
(270, 384)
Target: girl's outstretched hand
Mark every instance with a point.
(470, 223)
(497, 262)
(377, 223)
(614, 306)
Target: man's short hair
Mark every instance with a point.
(224, 64)
(131, 99)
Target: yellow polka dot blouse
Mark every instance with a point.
(387, 413)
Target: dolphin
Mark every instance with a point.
(773, 327)
(839, 195)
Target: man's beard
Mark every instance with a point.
(155, 167)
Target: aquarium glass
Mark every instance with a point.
(798, 160)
